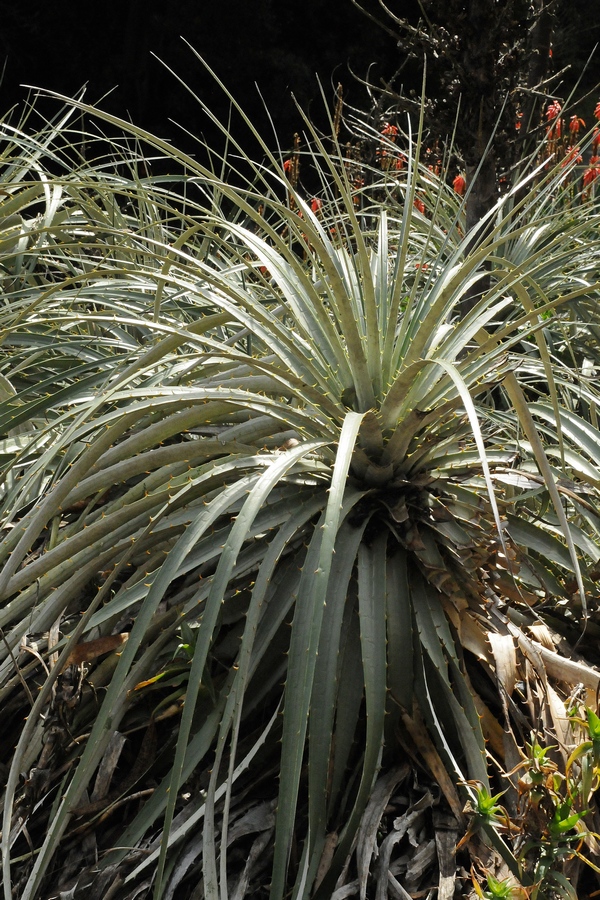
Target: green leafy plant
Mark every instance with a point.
(497, 889)
(547, 831)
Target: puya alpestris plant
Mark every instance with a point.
(282, 448)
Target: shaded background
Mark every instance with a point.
(62, 44)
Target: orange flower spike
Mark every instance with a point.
(595, 140)
(597, 111)
(553, 111)
(575, 124)
(590, 175)
(460, 185)
(288, 165)
(573, 157)
(390, 131)
(316, 204)
(420, 206)
(554, 133)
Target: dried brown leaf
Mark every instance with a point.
(505, 659)
(90, 650)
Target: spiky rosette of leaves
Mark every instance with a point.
(265, 441)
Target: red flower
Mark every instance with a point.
(460, 185)
(287, 165)
(575, 124)
(554, 133)
(399, 163)
(420, 205)
(553, 110)
(573, 157)
(590, 175)
(390, 131)
(316, 204)
(597, 111)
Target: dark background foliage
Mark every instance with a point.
(280, 46)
